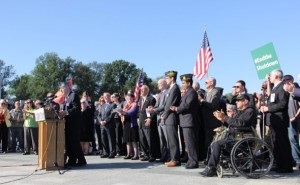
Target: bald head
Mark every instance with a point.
(162, 84)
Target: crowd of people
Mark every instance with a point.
(175, 125)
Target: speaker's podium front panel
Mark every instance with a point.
(51, 142)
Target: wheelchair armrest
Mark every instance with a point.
(243, 129)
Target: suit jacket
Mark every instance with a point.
(173, 99)
(72, 105)
(106, 114)
(297, 94)
(188, 109)
(160, 104)
(278, 107)
(210, 104)
(149, 101)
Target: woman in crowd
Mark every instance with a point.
(129, 119)
(116, 98)
(97, 124)
(86, 132)
(30, 128)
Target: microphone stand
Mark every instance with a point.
(263, 115)
(57, 118)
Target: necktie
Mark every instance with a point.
(142, 104)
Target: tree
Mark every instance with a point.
(49, 71)
(19, 87)
(6, 72)
(85, 79)
(120, 76)
(97, 70)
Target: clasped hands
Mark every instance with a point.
(220, 115)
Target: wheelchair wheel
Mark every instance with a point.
(220, 171)
(252, 157)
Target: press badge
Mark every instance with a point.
(272, 98)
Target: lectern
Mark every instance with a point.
(51, 142)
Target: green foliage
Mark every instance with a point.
(93, 78)
(6, 73)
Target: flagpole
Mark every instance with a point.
(205, 28)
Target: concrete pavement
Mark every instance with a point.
(18, 169)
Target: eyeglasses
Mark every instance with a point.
(287, 79)
(112, 96)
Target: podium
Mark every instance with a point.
(51, 142)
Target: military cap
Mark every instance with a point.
(243, 97)
(171, 74)
(186, 77)
(230, 106)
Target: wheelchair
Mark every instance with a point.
(245, 154)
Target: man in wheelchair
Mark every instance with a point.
(242, 120)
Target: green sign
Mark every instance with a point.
(265, 60)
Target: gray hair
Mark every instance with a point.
(278, 73)
(213, 80)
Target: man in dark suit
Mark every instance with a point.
(148, 126)
(171, 119)
(107, 126)
(188, 115)
(72, 115)
(278, 118)
(209, 104)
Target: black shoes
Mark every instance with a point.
(145, 158)
(127, 157)
(111, 156)
(135, 158)
(151, 159)
(104, 156)
(69, 164)
(209, 172)
(26, 153)
(280, 170)
(83, 163)
(191, 166)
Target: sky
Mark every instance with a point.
(156, 35)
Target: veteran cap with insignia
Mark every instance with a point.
(243, 97)
(171, 74)
(230, 106)
(186, 77)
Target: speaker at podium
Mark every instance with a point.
(51, 139)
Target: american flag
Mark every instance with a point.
(139, 84)
(203, 59)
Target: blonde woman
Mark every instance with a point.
(30, 128)
(86, 131)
